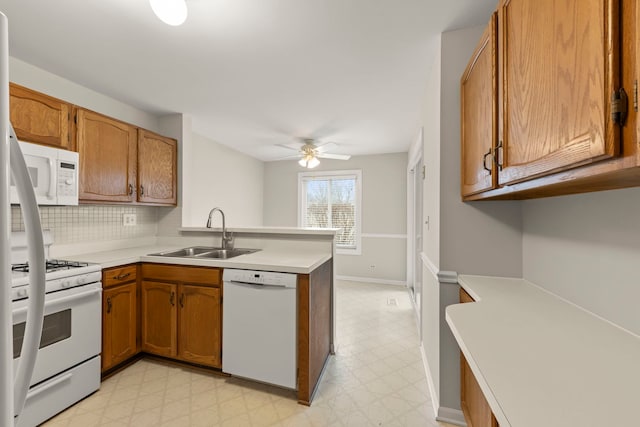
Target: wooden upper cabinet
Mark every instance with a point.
(479, 115)
(559, 66)
(39, 118)
(157, 168)
(107, 150)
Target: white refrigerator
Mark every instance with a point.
(14, 388)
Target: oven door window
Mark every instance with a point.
(56, 327)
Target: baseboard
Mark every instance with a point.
(451, 416)
(435, 400)
(372, 280)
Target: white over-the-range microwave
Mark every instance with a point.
(53, 172)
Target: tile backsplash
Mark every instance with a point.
(74, 224)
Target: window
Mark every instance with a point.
(332, 200)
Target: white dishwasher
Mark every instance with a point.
(259, 326)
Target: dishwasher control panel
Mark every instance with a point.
(269, 278)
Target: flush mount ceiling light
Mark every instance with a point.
(172, 12)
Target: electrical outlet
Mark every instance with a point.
(128, 219)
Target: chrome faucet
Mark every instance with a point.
(225, 239)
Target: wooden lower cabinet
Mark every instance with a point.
(119, 315)
(200, 334)
(314, 328)
(181, 313)
(159, 318)
(475, 407)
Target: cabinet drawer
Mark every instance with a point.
(182, 274)
(118, 275)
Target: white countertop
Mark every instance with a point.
(542, 361)
(287, 261)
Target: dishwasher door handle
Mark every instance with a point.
(258, 285)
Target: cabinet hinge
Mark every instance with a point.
(619, 106)
(635, 96)
(424, 171)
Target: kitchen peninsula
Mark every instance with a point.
(308, 253)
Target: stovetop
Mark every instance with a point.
(51, 265)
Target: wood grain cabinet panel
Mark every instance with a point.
(559, 65)
(479, 118)
(107, 150)
(476, 409)
(159, 318)
(157, 168)
(119, 319)
(40, 118)
(182, 313)
(199, 322)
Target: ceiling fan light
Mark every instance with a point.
(303, 162)
(172, 12)
(313, 162)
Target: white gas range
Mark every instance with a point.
(68, 363)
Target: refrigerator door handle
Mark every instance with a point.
(35, 243)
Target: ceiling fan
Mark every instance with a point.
(309, 152)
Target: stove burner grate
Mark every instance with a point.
(51, 265)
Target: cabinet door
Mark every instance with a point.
(157, 168)
(475, 407)
(119, 324)
(107, 150)
(39, 118)
(559, 64)
(159, 318)
(200, 325)
(479, 115)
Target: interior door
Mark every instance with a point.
(418, 242)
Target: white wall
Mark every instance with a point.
(43, 81)
(214, 175)
(384, 211)
(586, 248)
(470, 238)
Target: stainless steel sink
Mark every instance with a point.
(226, 253)
(206, 252)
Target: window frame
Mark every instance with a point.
(336, 174)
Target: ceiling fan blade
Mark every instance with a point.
(333, 156)
(295, 156)
(327, 146)
(293, 146)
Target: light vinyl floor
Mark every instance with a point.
(376, 378)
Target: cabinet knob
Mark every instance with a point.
(130, 190)
(172, 298)
(182, 300)
(142, 190)
(108, 305)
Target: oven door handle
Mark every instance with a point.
(44, 387)
(62, 300)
